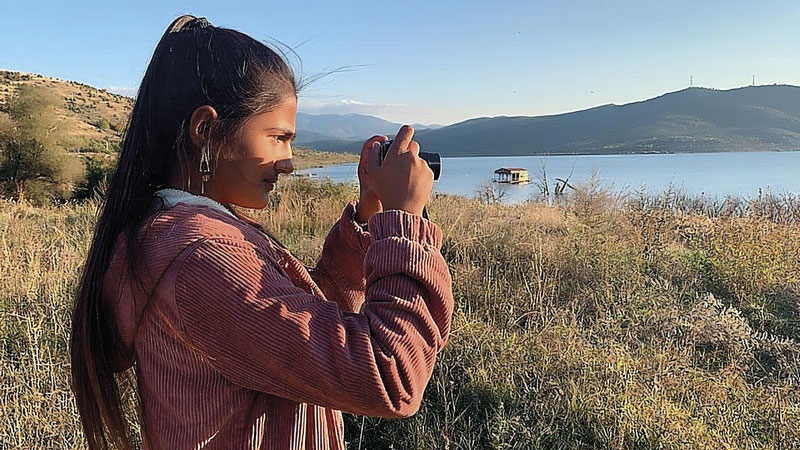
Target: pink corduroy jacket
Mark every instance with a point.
(236, 345)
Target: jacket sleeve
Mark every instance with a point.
(339, 272)
(263, 333)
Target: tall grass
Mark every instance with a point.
(596, 322)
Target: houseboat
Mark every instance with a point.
(513, 175)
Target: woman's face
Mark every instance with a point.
(247, 171)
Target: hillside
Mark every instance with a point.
(759, 118)
(90, 116)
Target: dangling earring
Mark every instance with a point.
(205, 168)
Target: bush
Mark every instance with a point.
(32, 157)
(102, 124)
(118, 127)
(98, 174)
(102, 146)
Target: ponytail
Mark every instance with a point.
(194, 64)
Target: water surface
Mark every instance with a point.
(708, 174)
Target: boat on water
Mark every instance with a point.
(512, 175)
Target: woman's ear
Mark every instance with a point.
(200, 124)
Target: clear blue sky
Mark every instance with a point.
(437, 61)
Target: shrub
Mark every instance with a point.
(33, 161)
(101, 124)
(98, 174)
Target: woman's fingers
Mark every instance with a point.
(400, 181)
(370, 141)
(413, 147)
(402, 140)
(374, 157)
(364, 164)
(367, 148)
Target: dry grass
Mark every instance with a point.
(42, 250)
(593, 323)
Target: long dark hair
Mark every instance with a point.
(194, 64)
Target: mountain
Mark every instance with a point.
(303, 136)
(756, 118)
(340, 126)
(344, 127)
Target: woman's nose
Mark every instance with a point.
(285, 165)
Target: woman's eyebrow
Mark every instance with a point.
(283, 131)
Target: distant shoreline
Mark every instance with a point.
(701, 152)
(311, 159)
(567, 154)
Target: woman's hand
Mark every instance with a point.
(369, 202)
(404, 181)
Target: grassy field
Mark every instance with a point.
(595, 322)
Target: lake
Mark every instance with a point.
(713, 175)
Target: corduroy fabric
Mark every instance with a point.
(236, 345)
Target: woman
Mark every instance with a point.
(233, 342)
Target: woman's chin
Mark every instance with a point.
(254, 201)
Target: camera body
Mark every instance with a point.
(434, 160)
